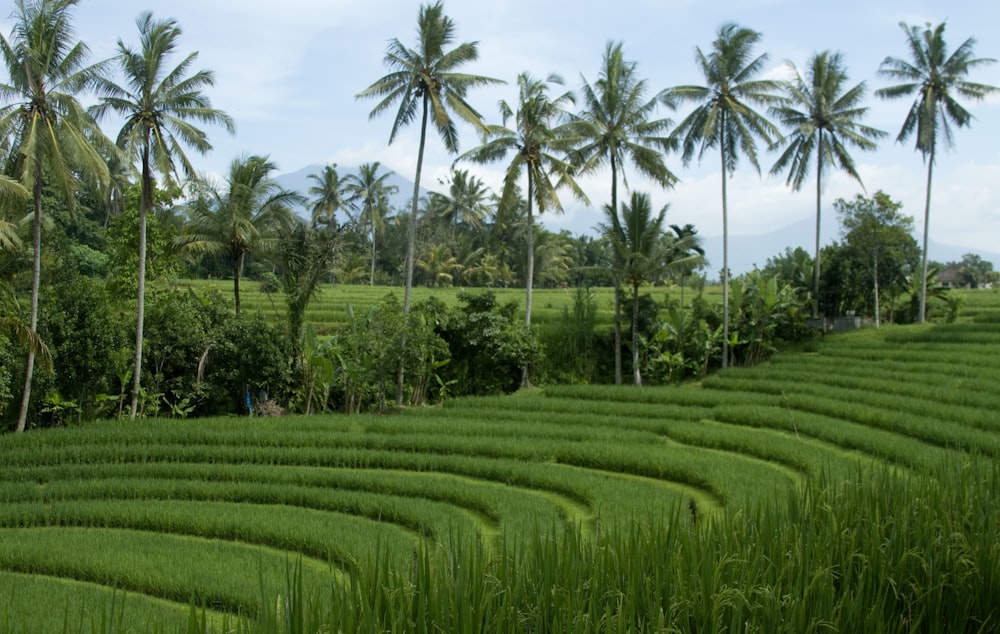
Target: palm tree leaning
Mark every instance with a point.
(540, 136)
(424, 81)
(158, 104)
(370, 191)
(617, 125)
(938, 80)
(48, 130)
(245, 215)
(725, 118)
(824, 119)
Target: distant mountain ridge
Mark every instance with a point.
(749, 251)
(745, 251)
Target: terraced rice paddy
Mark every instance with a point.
(741, 504)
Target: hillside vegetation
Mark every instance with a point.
(851, 485)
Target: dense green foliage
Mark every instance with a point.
(200, 359)
(108, 223)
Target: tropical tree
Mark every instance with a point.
(553, 258)
(424, 80)
(685, 250)
(159, 104)
(370, 191)
(304, 255)
(48, 131)
(244, 215)
(616, 126)
(823, 117)
(937, 79)
(539, 137)
(467, 200)
(725, 118)
(11, 191)
(12, 325)
(330, 194)
(878, 236)
(439, 265)
(636, 246)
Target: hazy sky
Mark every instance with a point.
(288, 73)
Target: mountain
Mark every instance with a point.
(748, 251)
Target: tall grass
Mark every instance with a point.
(877, 552)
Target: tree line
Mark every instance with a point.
(160, 217)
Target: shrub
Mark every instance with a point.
(248, 359)
(489, 345)
(82, 325)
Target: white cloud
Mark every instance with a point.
(288, 73)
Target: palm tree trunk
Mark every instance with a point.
(618, 333)
(927, 224)
(636, 376)
(878, 318)
(144, 207)
(618, 290)
(529, 275)
(819, 177)
(372, 282)
(237, 270)
(411, 247)
(36, 276)
(725, 260)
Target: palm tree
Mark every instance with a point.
(11, 192)
(48, 130)
(540, 135)
(159, 104)
(13, 325)
(304, 254)
(466, 201)
(330, 195)
(368, 188)
(938, 80)
(824, 118)
(684, 249)
(439, 265)
(726, 119)
(617, 125)
(244, 216)
(424, 80)
(636, 241)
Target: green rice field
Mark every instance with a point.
(330, 307)
(852, 485)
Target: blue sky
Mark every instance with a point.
(288, 72)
